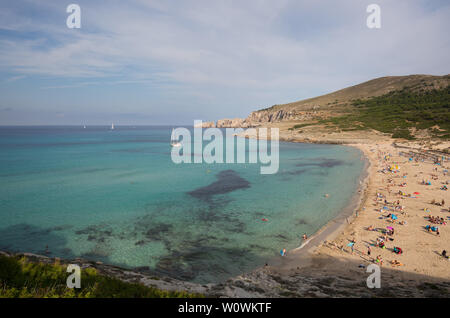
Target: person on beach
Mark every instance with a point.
(396, 263)
(305, 237)
(368, 250)
(397, 250)
(379, 260)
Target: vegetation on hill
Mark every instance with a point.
(340, 100)
(397, 112)
(21, 278)
(299, 126)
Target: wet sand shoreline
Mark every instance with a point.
(300, 256)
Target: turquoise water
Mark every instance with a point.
(116, 196)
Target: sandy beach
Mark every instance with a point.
(369, 218)
(421, 249)
(329, 250)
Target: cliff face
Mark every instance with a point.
(206, 124)
(231, 123)
(224, 123)
(258, 118)
(268, 116)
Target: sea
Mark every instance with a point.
(117, 197)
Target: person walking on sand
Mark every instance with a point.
(368, 250)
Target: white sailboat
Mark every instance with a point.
(174, 142)
(112, 126)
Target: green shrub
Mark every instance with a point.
(298, 126)
(21, 278)
(397, 111)
(402, 133)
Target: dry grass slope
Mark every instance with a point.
(342, 99)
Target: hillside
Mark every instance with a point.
(415, 106)
(372, 88)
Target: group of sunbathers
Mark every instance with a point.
(437, 220)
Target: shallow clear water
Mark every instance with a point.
(116, 196)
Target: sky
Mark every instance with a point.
(143, 62)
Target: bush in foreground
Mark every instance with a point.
(21, 278)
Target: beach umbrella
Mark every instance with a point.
(394, 217)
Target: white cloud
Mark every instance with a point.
(15, 78)
(246, 52)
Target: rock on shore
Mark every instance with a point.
(310, 281)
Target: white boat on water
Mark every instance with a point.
(112, 126)
(174, 142)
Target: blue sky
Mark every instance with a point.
(170, 62)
